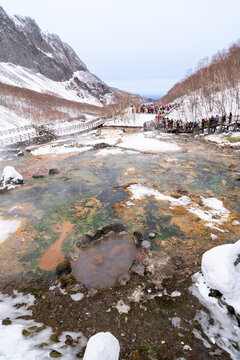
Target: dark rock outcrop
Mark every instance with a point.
(23, 43)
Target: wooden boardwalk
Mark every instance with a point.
(31, 132)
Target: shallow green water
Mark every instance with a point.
(196, 170)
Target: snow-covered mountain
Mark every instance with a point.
(23, 43)
(39, 61)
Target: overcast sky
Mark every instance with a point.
(137, 45)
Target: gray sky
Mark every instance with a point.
(137, 45)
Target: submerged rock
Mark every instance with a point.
(53, 171)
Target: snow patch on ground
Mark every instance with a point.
(223, 139)
(140, 142)
(8, 227)
(57, 150)
(106, 152)
(14, 345)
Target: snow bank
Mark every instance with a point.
(220, 271)
(217, 324)
(140, 142)
(102, 346)
(14, 345)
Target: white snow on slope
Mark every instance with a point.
(195, 106)
(21, 77)
(13, 345)
(9, 119)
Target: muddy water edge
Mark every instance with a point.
(91, 191)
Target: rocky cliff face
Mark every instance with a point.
(23, 43)
(40, 62)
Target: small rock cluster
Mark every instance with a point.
(95, 234)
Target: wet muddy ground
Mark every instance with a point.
(92, 190)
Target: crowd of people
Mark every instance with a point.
(166, 123)
(152, 109)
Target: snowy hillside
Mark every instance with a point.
(81, 87)
(196, 106)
